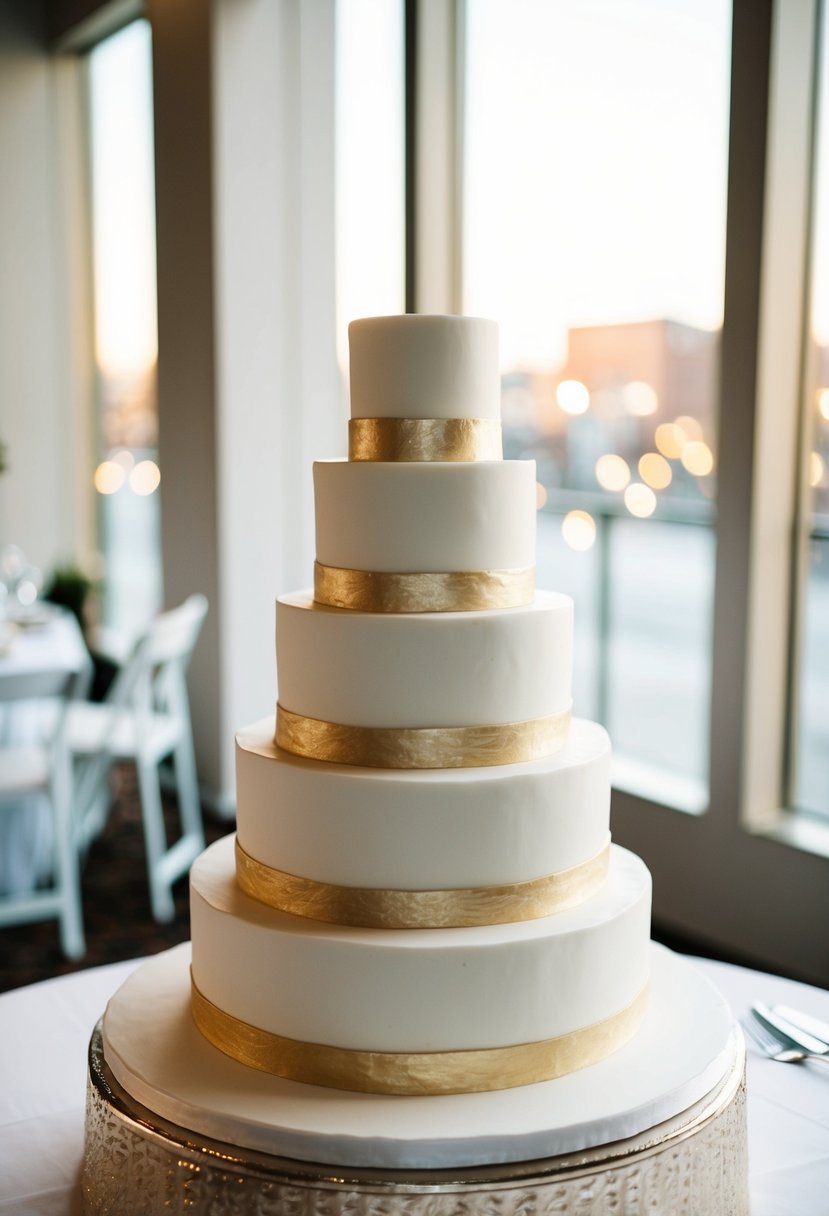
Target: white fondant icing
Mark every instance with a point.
(424, 669)
(419, 989)
(422, 829)
(419, 366)
(686, 1044)
(414, 517)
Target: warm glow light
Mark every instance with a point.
(540, 495)
(145, 477)
(689, 426)
(612, 472)
(823, 402)
(639, 399)
(816, 469)
(670, 439)
(573, 397)
(579, 530)
(109, 477)
(697, 458)
(655, 470)
(640, 500)
(125, 459)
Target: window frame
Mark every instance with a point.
(748, 876)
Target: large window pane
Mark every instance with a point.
(594, 232)
(126, 342)
(811, 748)
(370, 126)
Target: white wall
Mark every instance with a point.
(248, 385)
(45, 415)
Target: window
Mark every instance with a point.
(370, 154)
(811, 746)
(593, 229)
(123, 243)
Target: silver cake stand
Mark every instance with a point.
(139, 1163)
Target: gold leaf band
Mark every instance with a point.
(410, 1073)
(374, 908)
(424, 439)
(421, 747)
(451, 591)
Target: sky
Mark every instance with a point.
(594, 171)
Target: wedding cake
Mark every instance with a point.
(419, 951)
(421, 896)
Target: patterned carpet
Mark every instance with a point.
(117, 918)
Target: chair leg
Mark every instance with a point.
(187, 788)
(66, 866)
(155, 842)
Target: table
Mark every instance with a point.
(56, 644)
(45, 1029)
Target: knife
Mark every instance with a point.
(804, 1021)
(792, 1034)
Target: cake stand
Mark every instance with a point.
(174, 1125)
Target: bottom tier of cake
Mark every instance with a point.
(173, 1125)
(683, 1049)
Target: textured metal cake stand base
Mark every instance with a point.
(137, 1163)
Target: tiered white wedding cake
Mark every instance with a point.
(420, 963)
(422, 897)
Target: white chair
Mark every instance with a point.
(32, 769)
(145, 718)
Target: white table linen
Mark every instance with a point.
(25, 825)
(44, 1034)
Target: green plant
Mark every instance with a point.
(70, 587)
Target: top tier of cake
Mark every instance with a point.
(417, 366)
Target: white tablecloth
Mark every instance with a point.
(25, 825)
(45, 1029)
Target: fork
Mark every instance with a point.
(773, 1047)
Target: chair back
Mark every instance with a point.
(153, 676)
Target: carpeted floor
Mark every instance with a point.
(117, 918)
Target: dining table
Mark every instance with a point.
(45, 1030)
(46, 638)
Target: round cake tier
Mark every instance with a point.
(437, 669)
(361, 827)
(422, 990)
(418, 366)
(686, 1044)
(425, 517)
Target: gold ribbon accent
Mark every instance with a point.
(452, 591)
(409, 1073)
(421, 439)
(382, 908)
(421, 747)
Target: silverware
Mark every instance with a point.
(775, 1048)
(789, 1034)
(804, 1021)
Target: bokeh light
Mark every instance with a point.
(640, 399)
(573, 396)
(689, 426)
(579, 530)
(540, 495)
(822, 397)
(697, 458)
(612, 472)
(817, 468)
(655, 470)
(145, 477)
(640, 500)
(109, 477)
(670, 440)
